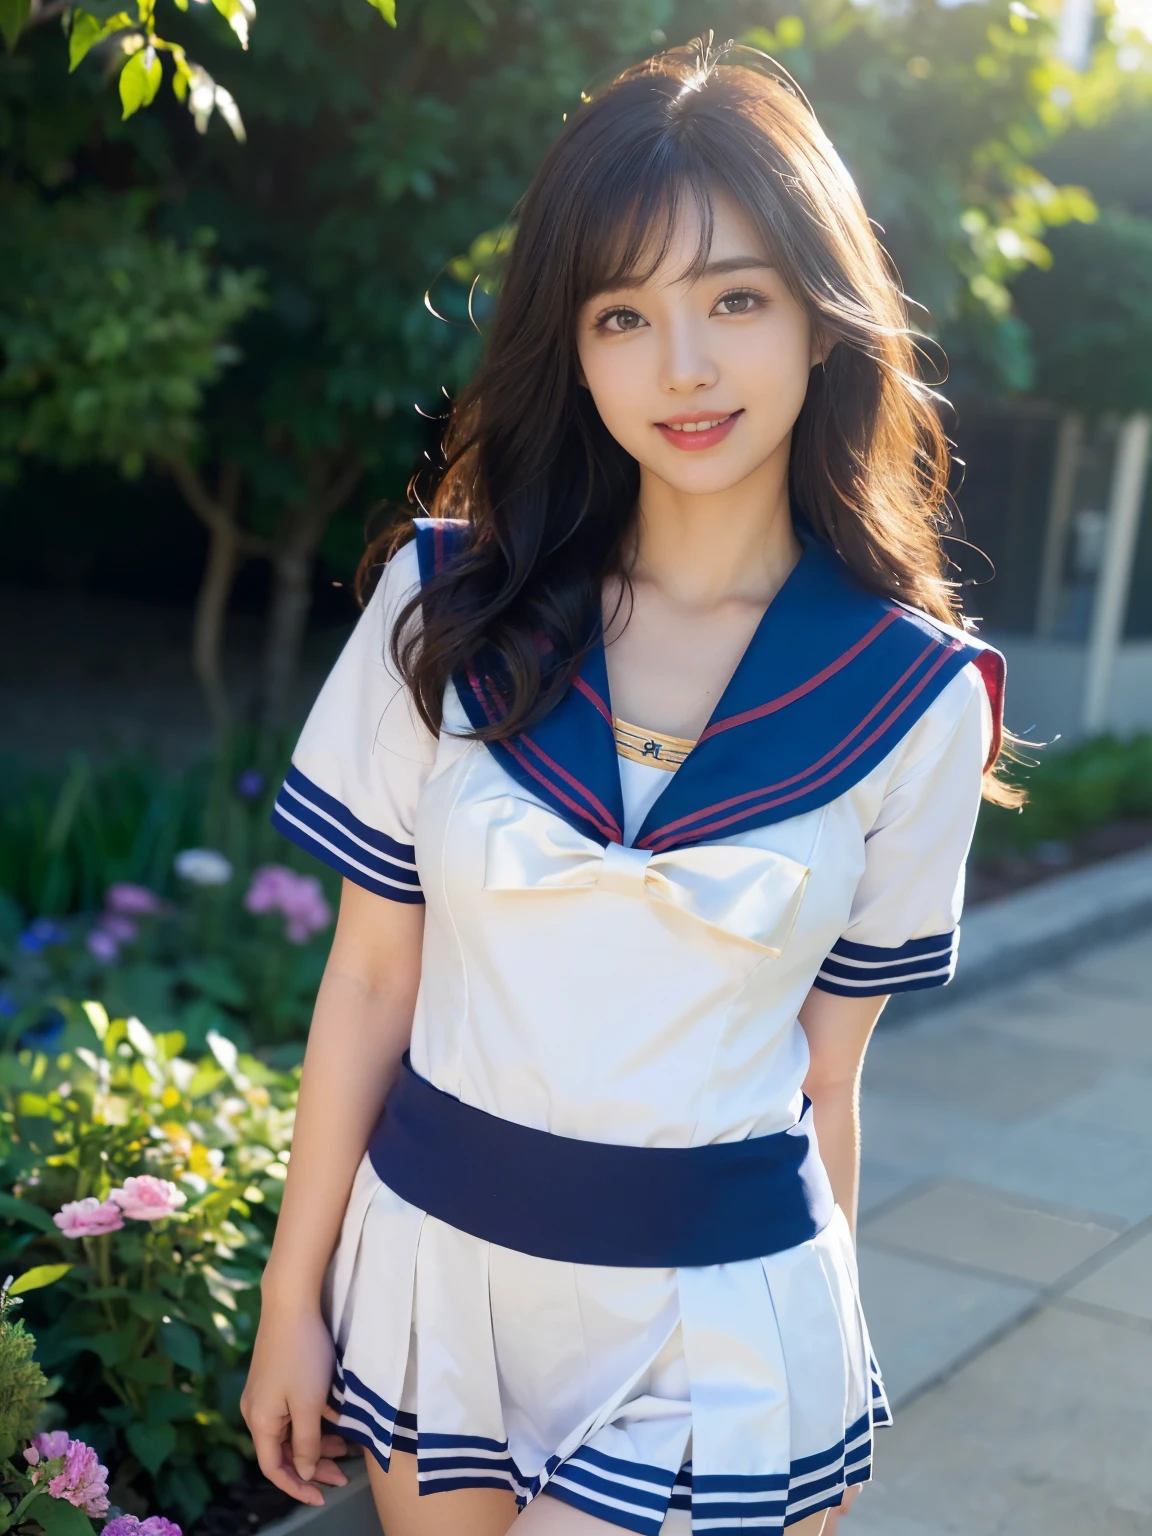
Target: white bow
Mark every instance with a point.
(750, 893)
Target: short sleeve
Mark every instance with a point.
(904, 927)
(351, 794)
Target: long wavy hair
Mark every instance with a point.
(551, 496)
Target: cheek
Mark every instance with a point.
(774, 366)
(613, 382)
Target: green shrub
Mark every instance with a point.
(150, 1326)
(1070, 792)
(23, 1386)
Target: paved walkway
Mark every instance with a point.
(1006, 1257)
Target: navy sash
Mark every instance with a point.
(590, 1202)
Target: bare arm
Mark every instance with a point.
(838, 1030)
(360, 1029)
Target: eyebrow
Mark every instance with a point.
(713, 269)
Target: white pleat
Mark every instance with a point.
(457, 1390)
(376, 1259)
(736, 1365)
(826, 1359)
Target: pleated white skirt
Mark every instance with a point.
(744, 1392)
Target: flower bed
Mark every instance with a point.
(144, 1185)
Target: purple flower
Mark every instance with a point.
(40, 933)
(122, 929)
(101, 944)
(299, 898)
(9, 1007)
(129, 1525)
(250, 784)
(129, 900)
(47, 1447)
(81, 1480)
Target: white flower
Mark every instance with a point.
(203, 866)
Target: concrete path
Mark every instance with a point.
(1006, 1257)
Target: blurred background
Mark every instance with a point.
(237, 256)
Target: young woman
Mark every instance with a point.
(651, 767)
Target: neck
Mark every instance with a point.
(705, 548)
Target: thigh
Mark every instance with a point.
(477, 1511)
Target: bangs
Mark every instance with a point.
(628, 221)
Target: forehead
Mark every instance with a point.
(686, 233)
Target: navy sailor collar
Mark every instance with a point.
(832, 679)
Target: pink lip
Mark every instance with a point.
(692, 442)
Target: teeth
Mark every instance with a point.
(696, 426)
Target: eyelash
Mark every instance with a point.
(601, 323)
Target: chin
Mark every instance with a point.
(702, 479)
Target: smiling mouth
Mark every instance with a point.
(697, 426)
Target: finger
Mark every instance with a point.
(271, 1456)
(332, 1445)
(328, 1412)
(328, 1472)
(305, 1438)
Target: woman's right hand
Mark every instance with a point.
(285, 1402)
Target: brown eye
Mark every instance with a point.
(625, 320)
(742, 300)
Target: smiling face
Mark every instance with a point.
(700, 378)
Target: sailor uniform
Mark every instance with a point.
(550, 1275)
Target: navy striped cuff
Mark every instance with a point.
(866, 970)
(314, 820)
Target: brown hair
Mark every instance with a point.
(549, 493)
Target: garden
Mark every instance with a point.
(238, 248)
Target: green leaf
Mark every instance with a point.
(140, 80)
(387, 9)
(24, 1210)
(59, 1518)
(88, 30)
(182, 1345)
(168, 1405)
(152, 1444)
(13, 15)
(151, 1371)
(114, 1346)
(39, 1275)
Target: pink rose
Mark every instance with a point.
(148, 1198)
(81, 1480)
(88, 1218)
(131, 900)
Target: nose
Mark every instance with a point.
(686, 363)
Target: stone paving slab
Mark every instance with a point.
(982, 1228)
(1121, 1284)
(1045, 1434)
(924, 1319)
(1024, 1410)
